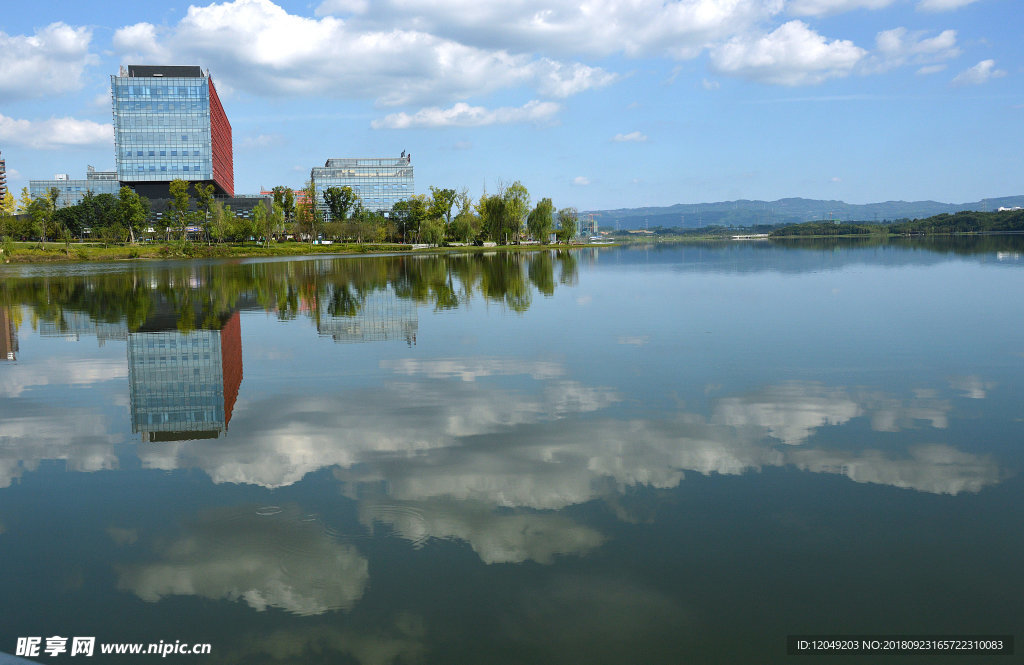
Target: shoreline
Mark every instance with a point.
(28, 253)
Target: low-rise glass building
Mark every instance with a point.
(71, 192)
(380, 182)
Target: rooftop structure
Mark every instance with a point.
(379, 182)
(71, 192)
(169, 124)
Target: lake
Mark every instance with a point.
(624, 455)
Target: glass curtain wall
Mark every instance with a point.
(379, 182)
(162, 128)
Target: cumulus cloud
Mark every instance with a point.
(791, 55)
(278, 560)
(464, 115)
(898, 47)
(259, 47)
(632, 137)
(55, 133)
(139, 39)
(638, 28)
(581, 180)
(983, 72)
(942, 5)
(50, 61)
(824, 7)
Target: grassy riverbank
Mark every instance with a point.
(59, 252)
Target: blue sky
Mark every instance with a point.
(597, 104)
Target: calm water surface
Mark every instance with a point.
(615, 456)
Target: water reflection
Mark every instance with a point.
(266, 560)
(8, 333)
(184, 385)
(548, 456)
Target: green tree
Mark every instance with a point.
(179, 206)
(285, 197)
(259, 218)
(441, 203)
(132, 211)
(7, 208)
(307, 215)
(273, 223)
(540, 220)
(518, 202)
(567, 224)
(408, 215)
(432, 231)
(41, 211)
(218, 226)
(204, 196)
(465, 227)
(24, 201)
(340, 201)
(494, 215)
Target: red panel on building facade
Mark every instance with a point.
(220, 135)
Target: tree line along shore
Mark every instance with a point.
(196, 223)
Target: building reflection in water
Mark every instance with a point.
(375, 317)
(8, 335)
(184, 384)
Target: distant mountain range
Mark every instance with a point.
(783, 211)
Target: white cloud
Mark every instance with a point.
(931, 69)
(48, 62)
(710, 85)
(261, 141)
(599, 27)
(464, 115)
(55, 132)
(791, 55)
(632, 137)
(139, 39)
(825, 7)
(980, 73)
(897, 47)
(581, 180)
(942, 5)
(257, 46)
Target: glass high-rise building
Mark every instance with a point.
(379, 181)
(169, 124)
